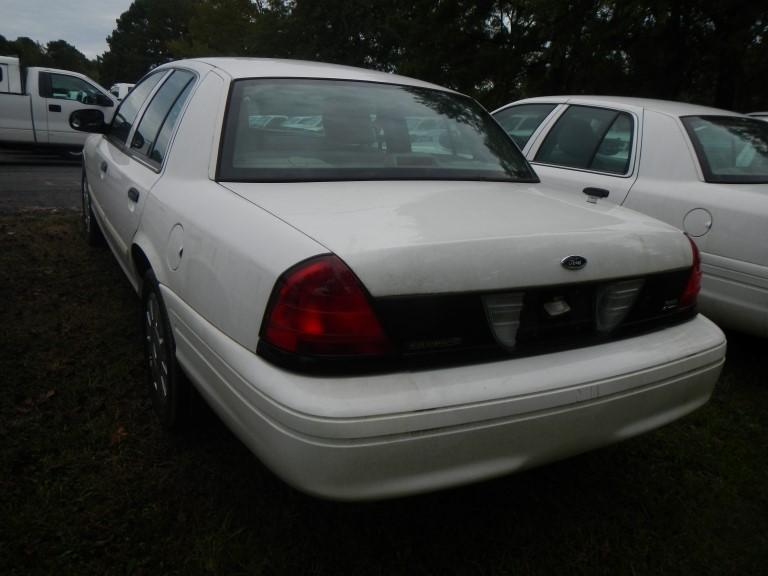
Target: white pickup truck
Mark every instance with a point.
(35, 113)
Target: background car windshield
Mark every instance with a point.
(730, 149)
(298, 129)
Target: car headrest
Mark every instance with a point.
(576, 139)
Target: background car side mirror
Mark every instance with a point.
(88, 120)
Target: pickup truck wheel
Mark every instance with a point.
(168, 387)
(90, 227)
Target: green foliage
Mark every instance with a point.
(142, 38)
(223, 28)
(61, 54)
(707, 51)
(498, 50)
(55, 54)
(30, 53)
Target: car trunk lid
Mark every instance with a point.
(446, 237)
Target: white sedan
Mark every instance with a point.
(700, 169)
(371, 316)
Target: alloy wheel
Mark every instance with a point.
(86, 206)
(157, 349)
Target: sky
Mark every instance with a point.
(83, 23)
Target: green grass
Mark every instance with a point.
(89, 484)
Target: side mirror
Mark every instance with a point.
(88, 120)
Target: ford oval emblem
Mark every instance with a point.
(573, 262)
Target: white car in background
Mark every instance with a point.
(700, 169)
(121, 90)
(369, 319)
(35, 104)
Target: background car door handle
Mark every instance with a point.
(133, 194)
(103, 167)
(54, 108)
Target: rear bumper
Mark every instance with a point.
(395, 434)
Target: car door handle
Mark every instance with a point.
(54, 108)
(133, 194)
(104, 167)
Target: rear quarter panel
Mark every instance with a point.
(668, 175)
(217, 252)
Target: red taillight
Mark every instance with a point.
(691, 291)
(319, 307)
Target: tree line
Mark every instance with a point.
(705, 51)
(54, 54)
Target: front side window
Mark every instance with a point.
(589, 138)
(312, 129)
(730, 149)
(156, 114)
(521, 121)
(126, 114)
(65, 87)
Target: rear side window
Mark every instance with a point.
(157, 154)
(126, 114)
(158, 114)
(730, 149)
(590, 139)
(521, 121)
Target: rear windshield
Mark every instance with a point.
(730, 149)
(311, 130)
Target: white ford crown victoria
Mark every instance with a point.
(363, 277)
(701, 169)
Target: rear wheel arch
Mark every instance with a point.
(145, 258)
(140, 261)
(88, 224)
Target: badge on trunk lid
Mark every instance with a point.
(573, 262)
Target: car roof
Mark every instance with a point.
(282, 68)
(668, 107)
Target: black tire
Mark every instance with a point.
(91, 231)
(168, 387)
